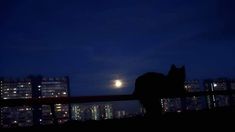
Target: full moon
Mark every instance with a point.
(118, 83)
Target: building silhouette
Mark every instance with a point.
(195, 102)
(192, 86)
(16, 88)
(214, 85)
(190, 103)
(34, 87)
(20, 88)
(95, 111)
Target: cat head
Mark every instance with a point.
(175, 72)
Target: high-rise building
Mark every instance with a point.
(195, 102)
(192, 86)
(189, 103)
(16, 116)
(83, 112)
(120, 114)
(221, 84)
(95, 112)
(61, 113)
(171, 105)
(34, 87)
(54, 87)
(20, 88)
(232, 88)
(106, 111)
(16, 88)
(232, 84)
(92, 111)
(76, 112)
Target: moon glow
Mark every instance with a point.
(118, 83)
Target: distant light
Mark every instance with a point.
(215, 85)
(14, 121)
(58, 107)
(64, 93)
(118, 83)
(39, 86)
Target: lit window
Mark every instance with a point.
(58, 110)
(14, 121)
(14, 91)
(39, 86)
(5, 98)
(64, 93)
(29, 83)
(22, 86)
(58, 107)
(178, 111)
(40, 120)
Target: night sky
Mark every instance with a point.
(97, 41)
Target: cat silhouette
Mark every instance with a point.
(151, 87)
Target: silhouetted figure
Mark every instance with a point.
(151, 87)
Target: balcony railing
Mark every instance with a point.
(60, 110)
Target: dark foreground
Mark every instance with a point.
(220, 119)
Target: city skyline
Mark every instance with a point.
(217, 93)
(98, 42)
